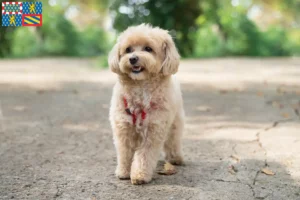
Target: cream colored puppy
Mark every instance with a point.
(146, 112)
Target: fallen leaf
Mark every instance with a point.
(41, 91)
(223, 91)
(279, 90)
(260, 94)
(169, 169)
(235, 157)
(238, 90)
(232, 169)
(285, 115)
(267, 171)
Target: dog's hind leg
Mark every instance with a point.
(172, 146)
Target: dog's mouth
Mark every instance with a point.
(137, 69)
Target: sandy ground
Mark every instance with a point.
(242, 118)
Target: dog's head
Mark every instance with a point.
(142, 51)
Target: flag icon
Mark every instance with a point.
(32, 20)
(12, 8)
(22, 13)
(11, 20)
(32, 7)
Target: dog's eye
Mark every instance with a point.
(149, 49)
(128, 50)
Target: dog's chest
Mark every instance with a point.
(144, 98)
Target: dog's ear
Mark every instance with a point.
(113, 59)
(172, 57)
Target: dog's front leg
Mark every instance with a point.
(146, 156)
(124, 141)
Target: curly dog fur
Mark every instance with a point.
(145, 59)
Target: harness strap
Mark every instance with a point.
(133, 115)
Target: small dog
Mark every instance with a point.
(146, 112)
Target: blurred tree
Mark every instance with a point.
(202, 28)
(243, 36)
(211, 14)
(177, 16)
(274, 42)
(5, 39)
(239, 34)
(288, 9)
(93, 41)
(91, 12)
(25, 43)
(208, 42)
(59, 35)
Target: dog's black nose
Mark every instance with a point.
(133, 59)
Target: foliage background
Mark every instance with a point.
(201, 28)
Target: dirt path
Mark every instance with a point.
(243, 115)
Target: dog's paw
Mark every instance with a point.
(176, 161)
(122, 174)
(139, 181)
(140, 178)
(123, 177)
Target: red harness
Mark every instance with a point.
(133, 115)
